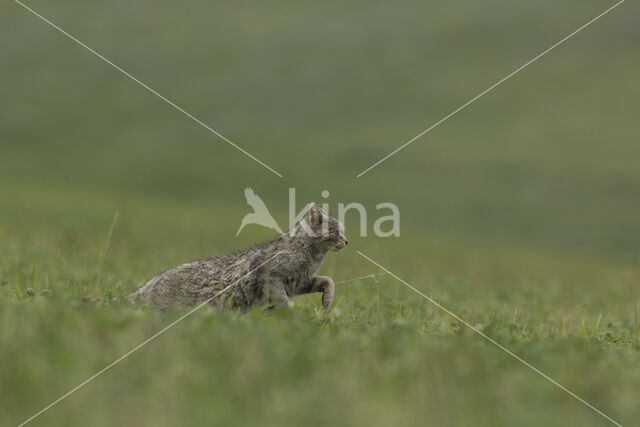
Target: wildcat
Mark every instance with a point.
(271, 273)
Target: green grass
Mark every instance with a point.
(381, 355)
(519, 214)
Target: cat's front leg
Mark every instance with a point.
(326, 286)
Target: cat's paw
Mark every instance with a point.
(327, 294)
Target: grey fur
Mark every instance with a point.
(290, 273)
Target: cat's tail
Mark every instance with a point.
(101, 301)
(136, 295)
(143, 291)
(132, 298)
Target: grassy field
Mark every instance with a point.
(520, 213)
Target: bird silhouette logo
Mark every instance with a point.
(260, 214)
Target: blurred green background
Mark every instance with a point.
(520, 213)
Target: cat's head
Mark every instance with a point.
(327, 232)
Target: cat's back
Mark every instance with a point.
(189, 283)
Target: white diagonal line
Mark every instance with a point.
(491, 340)
(88, 380)
(488, 89)
(177, 107)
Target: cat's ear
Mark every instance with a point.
(315, 214)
